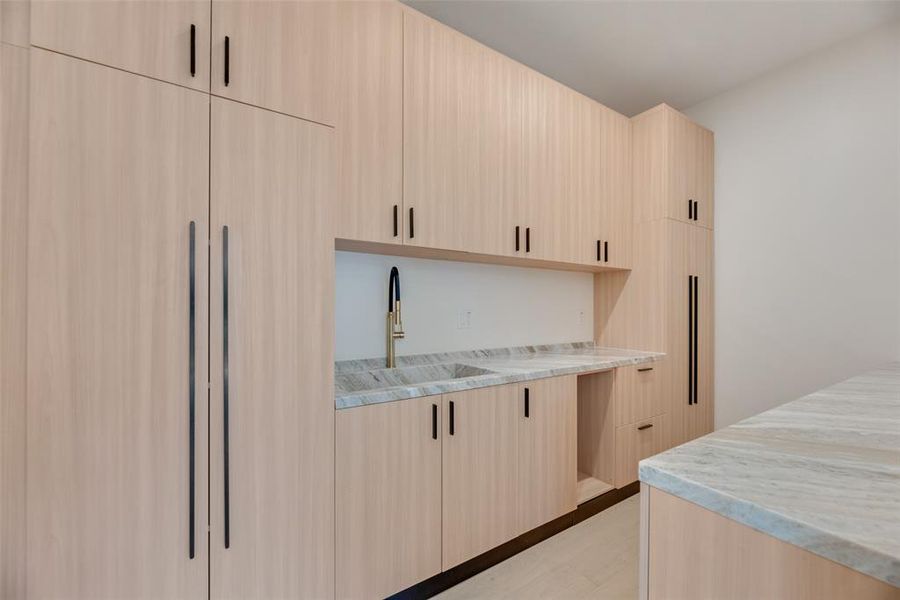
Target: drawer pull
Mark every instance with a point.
(641, 370)
(647, 426)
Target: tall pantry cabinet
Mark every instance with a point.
(161, 466)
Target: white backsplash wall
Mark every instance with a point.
(510, 306)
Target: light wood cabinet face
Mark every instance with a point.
(281, 55)
(108, 342)
(148, 37)
(272, 185)
(547, 450)
(480, 471)
(462, 148)
(640, 392)
(369, 121)
(388, 485)
(699, 416)
(636, 442)
(690, 152)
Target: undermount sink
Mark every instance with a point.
(363, 381)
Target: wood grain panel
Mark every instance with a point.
(112, 194)
(696, 553)
(699, 417)
(15, 22)
(636, 442)
(369, 121)
(148, 37)
(547, 450)
(597, 426)
(462, 149)
(480, 471)
(640, 392)
(13, 314)
(388, 497)
(272, 184)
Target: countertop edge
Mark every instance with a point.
(822, 543)
(394, 394)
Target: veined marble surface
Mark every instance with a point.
(821, 472)
(361, 382)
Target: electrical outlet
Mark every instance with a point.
(464, 319)
(581, 317)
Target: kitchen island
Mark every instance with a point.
(801, 501)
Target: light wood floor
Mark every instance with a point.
(598, 559)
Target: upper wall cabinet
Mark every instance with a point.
(277, 55)
(674, 168)
(163, 40)
(462, 147)
(369, 122)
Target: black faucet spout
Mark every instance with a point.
(393, 288)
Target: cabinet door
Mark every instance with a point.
(640, 392)
(280, 55)
(480, 471)
(615, 187)
(272, 187)
(704, 175)
(462, 150)
(388, 482)
(150, 37)
(690, 152)
(548, 470)
(699, 415)
(369, 122)
(678, 321)
(113, 432)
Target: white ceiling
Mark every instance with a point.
(632, 55)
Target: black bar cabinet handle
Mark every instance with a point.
(598, 252)
(528, 239)
(452, 429)
(412, 223)
(225, 386)
(227, 60)
(434, 432)
(605, 251)
(527, 398)
(517, 238)
(192, 389)
(690, 210)
(193, 49)
(647, 426)
(396, 220)
(641, 370)
(696, 329)
(690, 339)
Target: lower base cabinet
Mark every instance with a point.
(636, 442)
(480, 471)
(388, 503)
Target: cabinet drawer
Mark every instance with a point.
(639, 392)
(636, 442)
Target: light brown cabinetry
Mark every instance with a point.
(673, 168)
(547, 450)
(277, 55)
(388, 504)
(462, 150)
(480, 471)
(162, 40)
(369, 121)
(637, 441)
(640, 392)
(112, 198)
(272, 186)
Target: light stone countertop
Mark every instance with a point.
(821, 472)
(362, 382)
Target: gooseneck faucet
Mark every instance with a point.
(394, 320)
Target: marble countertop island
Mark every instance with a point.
(822, 473)
(361, 382)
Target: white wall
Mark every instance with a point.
(807, 224)
(510, 306)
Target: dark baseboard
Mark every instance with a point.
(442, 581)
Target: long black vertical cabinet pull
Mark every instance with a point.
(396, 220)
(690, 339)
(192, 388)
(528, 239)
(434, 431)
(193, 49)
(227, 60)
(696, 328)
(452, 428)
(412, 223)
(527, 398)
(517, 238)
(225, 387)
